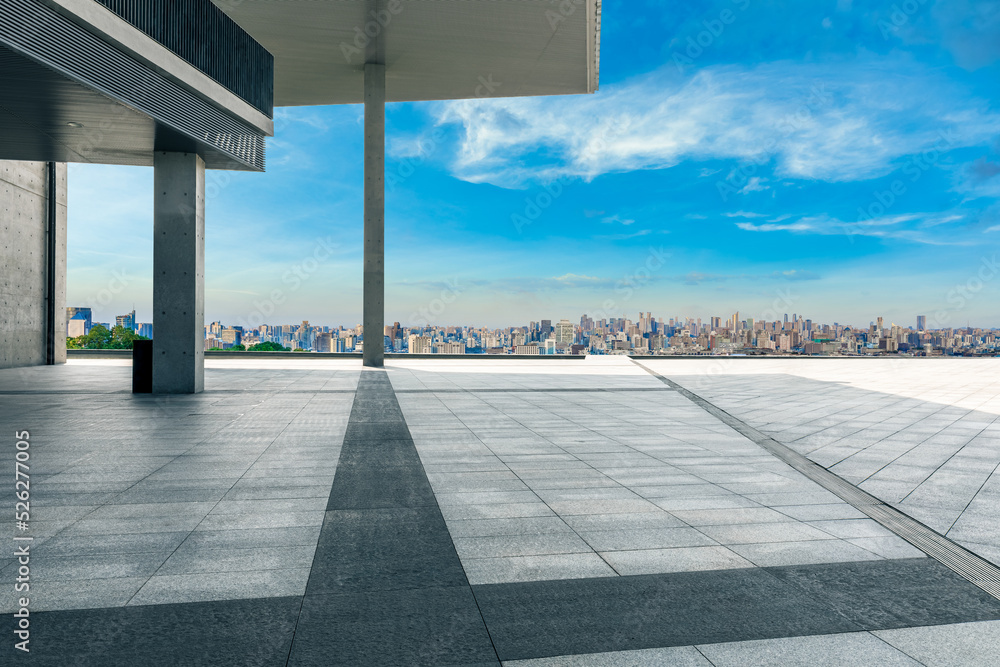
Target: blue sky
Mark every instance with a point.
(838, 159)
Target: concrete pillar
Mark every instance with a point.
(374, 283)
(32, 264)
(178, 273)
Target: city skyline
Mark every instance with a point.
(719, 168)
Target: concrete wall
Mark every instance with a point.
(23, 215)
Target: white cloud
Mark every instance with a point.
(744, 214)
(618, 219)
(859, 123)
(887, 227)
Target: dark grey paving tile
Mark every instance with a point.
(432, 627)
(891, 594)
(384, 549)
(547, 618)
(369, 485)
(233, 632)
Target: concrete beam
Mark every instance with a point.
(178, 273)
(374, 279)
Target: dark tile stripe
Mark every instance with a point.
(230, 632)
(550, 618)
(386, 585)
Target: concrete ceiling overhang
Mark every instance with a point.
(432, 49)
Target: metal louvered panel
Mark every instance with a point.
(42, 35)
(202, 34)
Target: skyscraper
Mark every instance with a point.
(127, 321)
(564, 332)
(921, 323)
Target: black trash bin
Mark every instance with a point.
(142, 367)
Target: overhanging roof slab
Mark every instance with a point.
(432, 49)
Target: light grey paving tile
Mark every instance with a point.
(280, 492)
(68, 544)
(485, 498)
(628, 521)
(78, 594)
(774, 554)
(172, 589)
(832, 511)
(849, 528)
(749, 515)
(149, 524)
(516, 526)
(656, 538)
(857, 649)
(681, 559)
(752, 533)
(888, 547)
(103, 566)
(519, 545)
(496, 511)
(281, 505)
(680, 656)
(603, 506)
(535, 568)
(191, 559)
(260, 520)
(959, 645)
(730, 501)
(254, 538)
(143, 510)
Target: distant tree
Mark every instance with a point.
(98, 338)
(238, 348)
(122, 338)
(268, 346)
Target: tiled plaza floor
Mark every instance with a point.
(530, 512)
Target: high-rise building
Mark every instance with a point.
(564, 332)
(127, 321)
(921, 323)
(544, 329)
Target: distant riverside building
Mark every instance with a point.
(526, 349)
(144, 329)
(84, 313)
(232, 336)
(564, 332)
(127, 321)
(324, 343)
(451, 348)
(921, 323)
(419, 344)
(77, 322)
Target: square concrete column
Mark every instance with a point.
(374, 280)
(178, 273)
